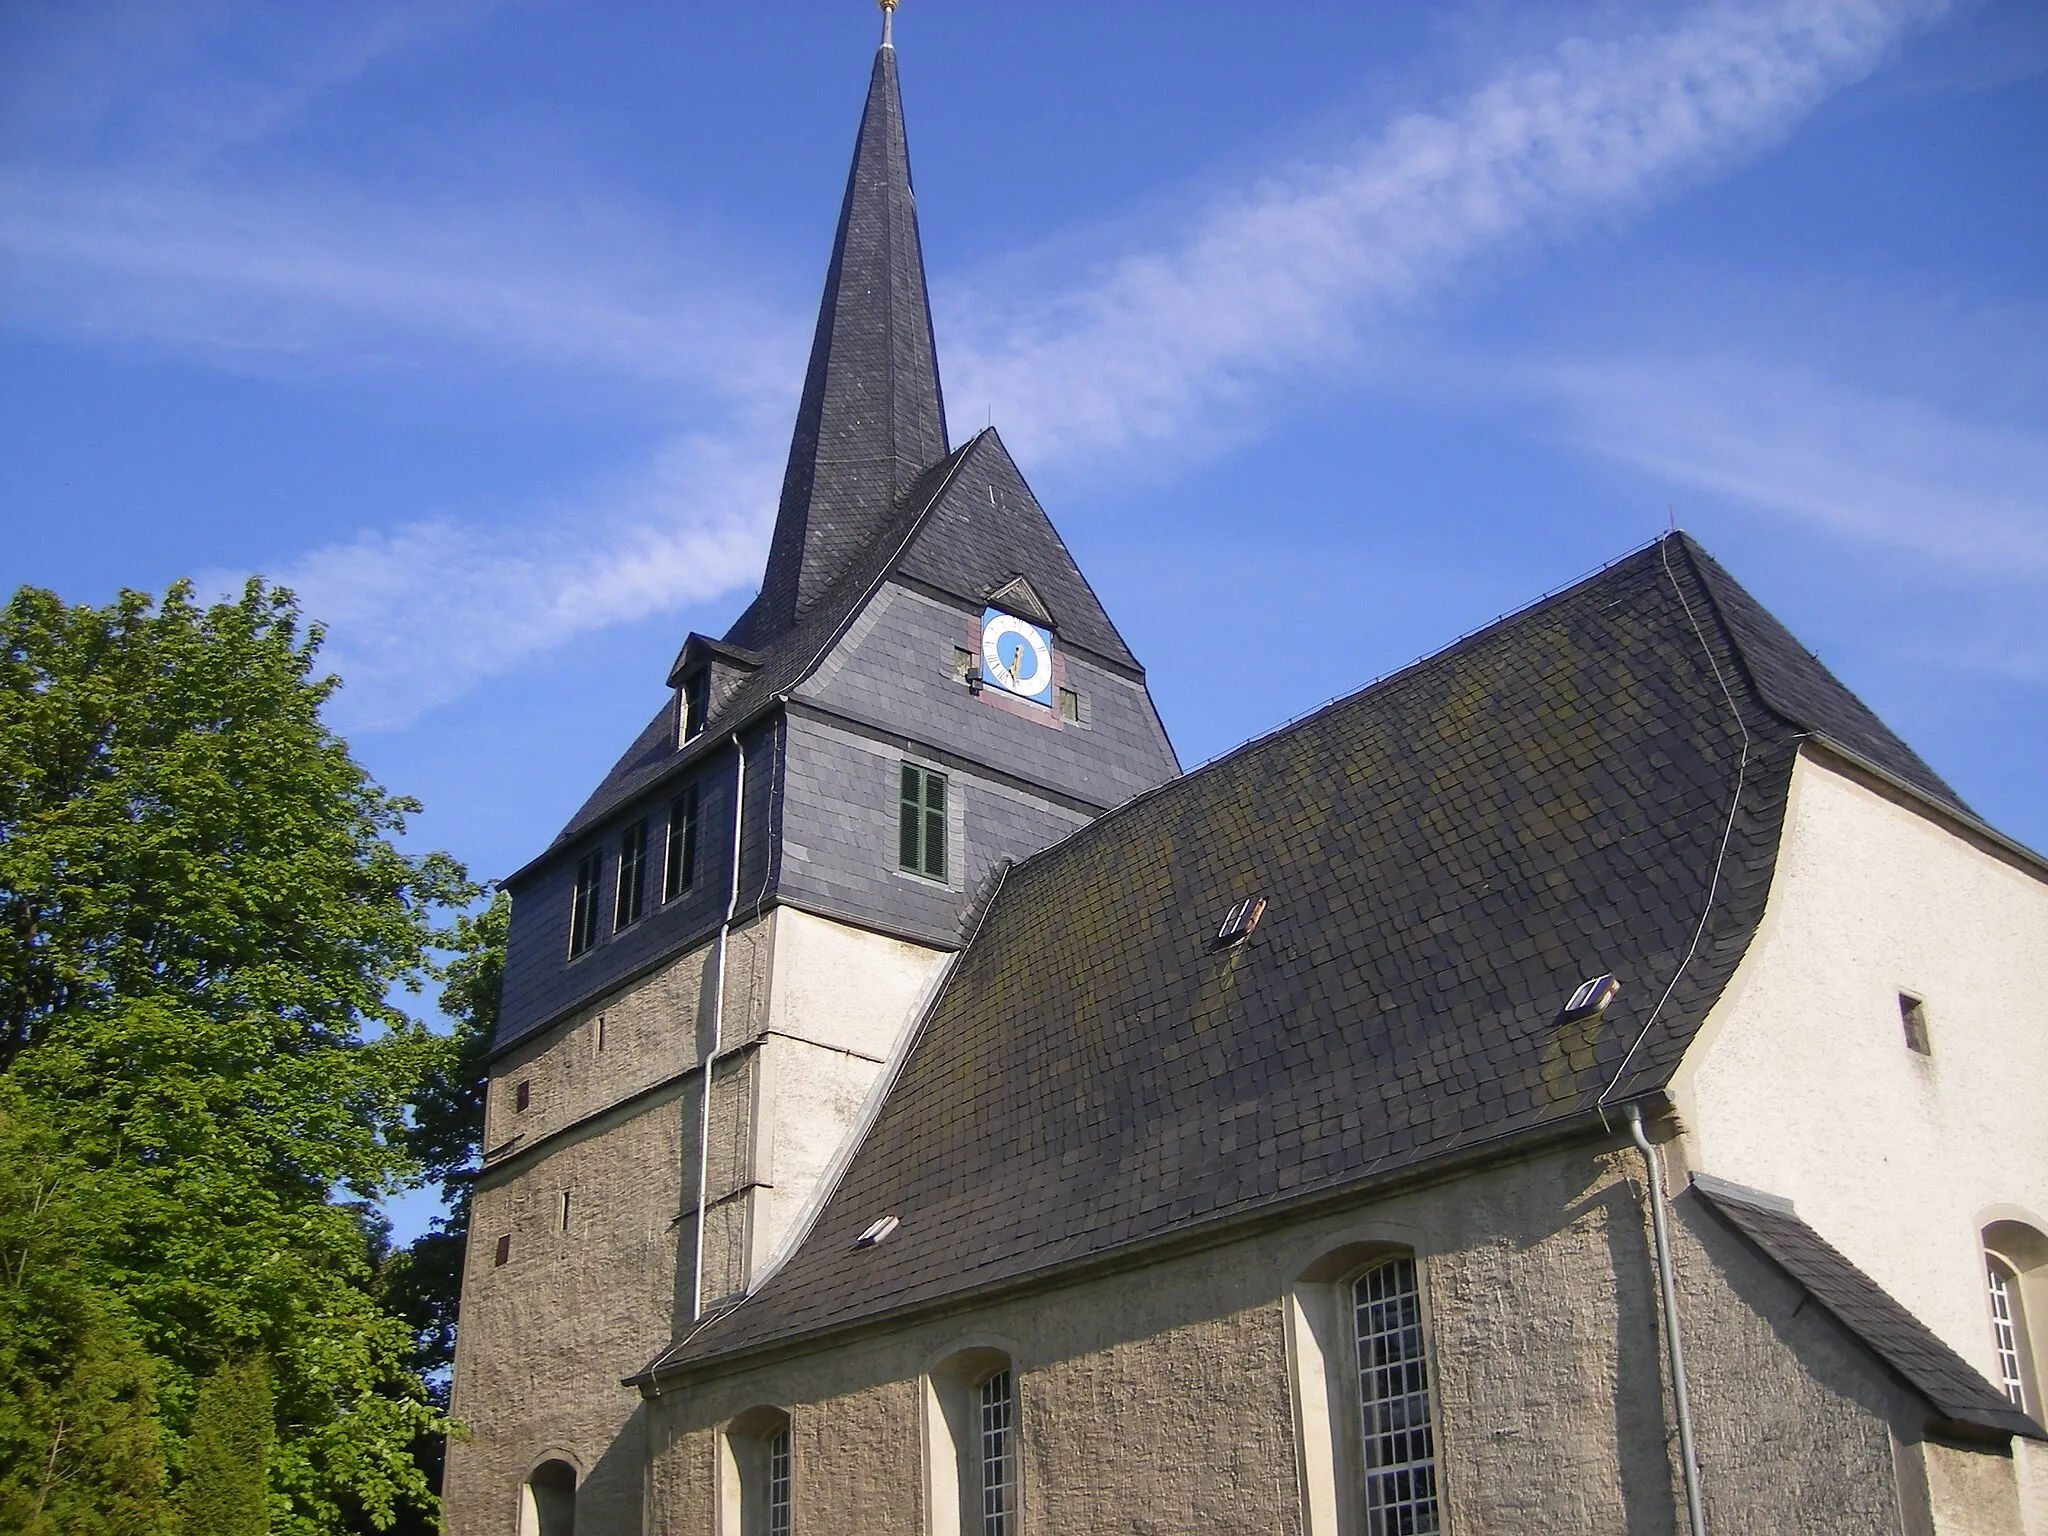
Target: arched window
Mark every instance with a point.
(973, 1487)
(547, 1504)
(755, 1485)
(1399, 1451)
(998, 1397)
(1358, 1352)
(2016, 1287)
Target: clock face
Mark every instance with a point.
(1016, 656)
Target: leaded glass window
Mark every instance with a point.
(998, 1456)
(778, 1484)
(921, 846)
(2005, 1332)
(1393, 1389)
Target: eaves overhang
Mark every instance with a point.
(1594, 1123)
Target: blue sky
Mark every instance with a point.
(1326, 333)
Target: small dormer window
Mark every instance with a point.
(695, 697)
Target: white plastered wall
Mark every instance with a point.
(838, 999)
(1802, 1083)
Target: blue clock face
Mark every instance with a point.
(1016, 656)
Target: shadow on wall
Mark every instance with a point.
(1783, 1396)
(547, 1504)
(1648, 1471)
(608, 1498)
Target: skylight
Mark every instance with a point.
(1592, 998)
(877, 1233)
(1237, 927)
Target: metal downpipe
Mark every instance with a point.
(732, 903)
(1695, 1512)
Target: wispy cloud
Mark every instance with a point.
(1875, 470)
(323, 277)
(417, 615)
(1283, 276)
(1280, 278)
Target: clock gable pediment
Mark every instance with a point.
(1017, 595)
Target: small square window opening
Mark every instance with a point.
(504, 1252)
(597, 1031)
(565, 1210)
(1070, 706)
(921, 823)
(1913, 1016)
(522, 1096)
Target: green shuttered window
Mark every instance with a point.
(921, 845)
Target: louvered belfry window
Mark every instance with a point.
(679, 865)
(922, 823)
(632, 888)
(1393, 1390)
(583, 903)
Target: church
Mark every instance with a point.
(1592, 1080)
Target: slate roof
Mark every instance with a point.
(945, 532)
(1791, 681)
(1445, 855)
(861, 498)
(870, 419)
(1894, 1335)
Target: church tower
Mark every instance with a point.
(714, 963)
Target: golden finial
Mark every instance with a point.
(888, 17)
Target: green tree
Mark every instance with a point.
(424, 1279)
(227, 1455)
(203, 917)
(80, 1449)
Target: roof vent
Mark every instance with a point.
(1238, 926)
(877, 1233)
(1590, 1000)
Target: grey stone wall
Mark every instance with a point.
(1161, 1400)
(620, 1044)
(591, 1292)
(546, 1335)
(1792, 1415)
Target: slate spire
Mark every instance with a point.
(870, 418)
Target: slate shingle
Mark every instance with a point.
(1446, 855)
(1907, 1346)
(870, 419)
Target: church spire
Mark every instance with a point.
(870, 417)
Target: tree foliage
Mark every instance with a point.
(447, 1135)
(80, 1449)
(203, 917)
(227, 1456)
(423, 1281)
